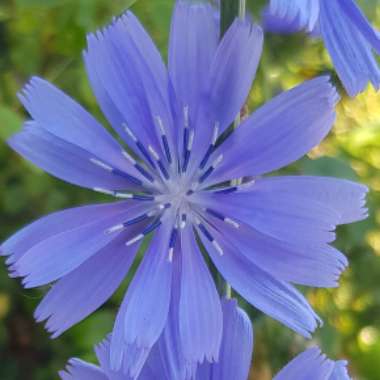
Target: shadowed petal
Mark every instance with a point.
(143, 313)
(291, 15)
(275, 298)
(361, 22)
(349, 50)
(200, 313)
(79, 370)
(280, 132)
(88, 287)
(237, 345)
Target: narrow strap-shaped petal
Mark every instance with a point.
(102, 351)
(61, 253)
(60, 115)
(309, 365)
(345, 197)
(53, 224)
(143, 313)
(281, 215)
(65, 160)
(350, 52)
(275, 298)
(193, 42)
(233, 70)
(308, 264)
(80, 370)
(88, 287)
(280, 132)
(140, 94)
(200, 313)
(237, 345)
(294, 14)
(169, 348)
(340, 371)
(231, 75)
(361, 22)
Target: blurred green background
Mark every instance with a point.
(46, 37)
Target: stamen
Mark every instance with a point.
(208, 235)
(101, 164)
(130, 222)
(129, 132)
(138, 144)
(159, 162)
(227, 190)
(188, 144)
(207, 173)
(225, 219)
(211, 146)
(164, 139)
(145, 232)
(186, 116)
(172, 241)
(218, 247)
(182, 224)
(128, 157)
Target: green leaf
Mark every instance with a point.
(10, 122)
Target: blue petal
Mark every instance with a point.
(102, 351)
(65, 160)
(136, 96)
(345, 197)
(308, 264)
(312, 365)
(274, 297)
(88, 287)
(281, 215)
(57, 113)
(53, 224)
(233, 70)
(359, 19)
(79, 370)
(291, 15)
(349, 50)
(280, 132)
(144, 310)
(229, 82)
(194, 37)
(61, 253)
(237, 345)
(200, 313)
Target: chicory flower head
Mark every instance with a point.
(348, 36)
(174, 181)
(233, 363)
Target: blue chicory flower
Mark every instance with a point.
(347, 34)
(174, 180)
(234, 359)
